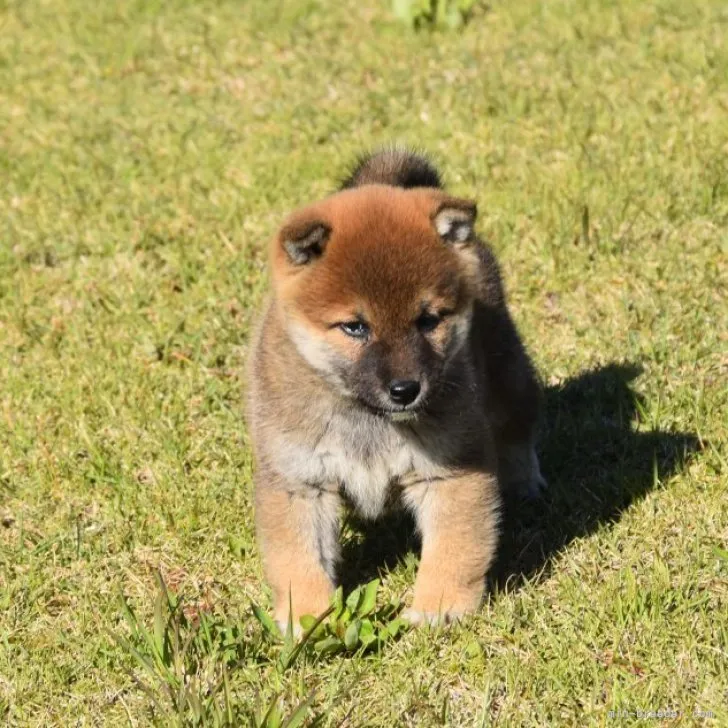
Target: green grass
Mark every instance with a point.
(147, 152)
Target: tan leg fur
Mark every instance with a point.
(458, 520)
(298, 537)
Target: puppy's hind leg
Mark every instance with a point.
(520, 470)
(298, 537)
(515, 400)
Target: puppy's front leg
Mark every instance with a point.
(458, 520)
(298, 537)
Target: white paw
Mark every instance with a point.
(283, 627)
(433, 619)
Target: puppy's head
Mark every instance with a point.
(376, 288)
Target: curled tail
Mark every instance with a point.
(394, 166)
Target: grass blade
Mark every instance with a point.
(299, 714)
(266, 622)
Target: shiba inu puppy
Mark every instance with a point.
(385, 366)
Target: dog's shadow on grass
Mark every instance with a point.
(597, 464)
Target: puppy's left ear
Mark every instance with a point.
(454, 220)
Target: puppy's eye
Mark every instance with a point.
(428, 322)
(355, 329)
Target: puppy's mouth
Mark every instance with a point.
(400, 415)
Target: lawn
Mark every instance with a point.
(148, 151)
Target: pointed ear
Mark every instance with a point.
(454, 220)
(304, 239)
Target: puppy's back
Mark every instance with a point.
(394, 166)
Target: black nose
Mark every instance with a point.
(404, 391)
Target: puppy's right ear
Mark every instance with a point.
(304, 238)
